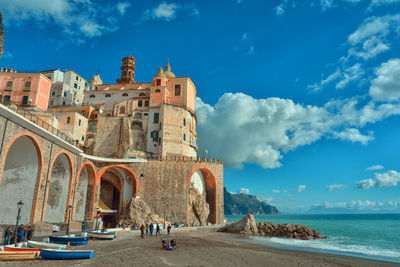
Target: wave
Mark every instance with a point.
(331, 245)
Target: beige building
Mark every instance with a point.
(73, 124)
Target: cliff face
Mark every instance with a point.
(198, 208)
(238, 204)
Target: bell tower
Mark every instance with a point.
(127, 70)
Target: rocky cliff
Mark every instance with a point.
(238, 204)
(140, 213)
(198, 208)
(249, 226)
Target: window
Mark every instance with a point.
(140, 103)
(53, 93)
(27, 85)
(108, 95)
(158, 91)
(125, 94)
(146, 103)
(177, 90)
(83, 113)
(154, 136)
(65, 93)
(83, 138)
(7, 99)
(122, 110)
(92, 96)
(68, 120)
(63, 103)
(146, 114)
(184, 137)
(184, 122)
(85, 84)
(158, 82)
(142, 94)
(77, 78)
(9, 85)
(75, 86)
(79, 122)
(156, 117)
(51, 102)
(25, 100)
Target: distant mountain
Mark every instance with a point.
(238, 204)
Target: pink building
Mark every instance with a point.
(26, 89)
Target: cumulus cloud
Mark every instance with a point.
(332, 187)
(244, 191)
(386, 85)
(374, 167)
(387, 179)
(77, 19)
(354, 135)
(301, 188)
(168, 11)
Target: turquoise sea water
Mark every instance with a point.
(375, 236)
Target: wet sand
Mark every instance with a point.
(197, 249)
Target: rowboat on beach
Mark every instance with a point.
(18, 255)
(39, 245)
(73, 241)
(100, 235)
(56, 254)
(14, 248)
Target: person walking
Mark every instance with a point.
(29, 233)
(158, 233)
(7, 234)
(151, 229)
(169, 229)
(21, 234)
(147, 229)
(142, 230)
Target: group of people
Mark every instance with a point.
(168, 245)
(149, 228)
(9, 235)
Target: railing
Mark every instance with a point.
(184, 158)
(37, 120)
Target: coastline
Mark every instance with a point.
(200, 248)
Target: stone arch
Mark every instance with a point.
(22, 157)
(210, 183)
(117, 184)
(59, 188)
(85, 192)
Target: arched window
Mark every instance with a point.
(140, 103)
(146, 103)
(92, 96)
(142, 94)
(108, 95)
(125, 94)
(122, 110)
(158, 91)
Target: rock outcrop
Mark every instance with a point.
(139, 212)
(198, 208)
(249, 226)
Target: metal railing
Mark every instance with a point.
(184, 158)
(21, 110)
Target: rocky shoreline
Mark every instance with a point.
(249, 226)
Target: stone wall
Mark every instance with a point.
(108, 137)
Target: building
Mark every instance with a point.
(25, 89)
(154, 118)
(67, 89)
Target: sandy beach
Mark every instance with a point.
(198, 249)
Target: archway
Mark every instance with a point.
(118, 184)
(60, 178)
(21, 172)
(85, 193)
(201, 190)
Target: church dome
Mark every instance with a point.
(168, 72)
(160, 74)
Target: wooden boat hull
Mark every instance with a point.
(99, 235)
(27, 249)
(39, 245)
(54, 254)
(73, 241)
(18, 255)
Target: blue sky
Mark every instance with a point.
(301, 99)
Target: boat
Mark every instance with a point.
(100, 235)
(18, 255)
(73, 241)
(35, 244)
(57, 254)
(14, 248)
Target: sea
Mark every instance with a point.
(373, 236)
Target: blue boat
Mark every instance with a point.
(73, 241)
(56, 254)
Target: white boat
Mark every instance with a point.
(100, 235)
(43, 245)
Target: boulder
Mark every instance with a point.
(246, 226)
(139, 212)
(198, 208)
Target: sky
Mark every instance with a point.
(300, 99)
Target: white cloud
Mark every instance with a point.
(386, 85)
(376, 3)
(77, 19)
(350, 74)
(387, 179)
(251, 50)
(360, 205)
(332, 187)
(244, 191)
(333, 76)
(276, 191)
(301, 188)
(122, 6)
(374, 167)
(327, 4)
(245, 36)
(168, 11)
(281, 8)
(354, 135)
